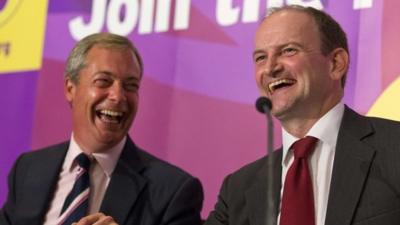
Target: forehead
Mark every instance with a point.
(287, 26)
(98, 52)
(114, 60)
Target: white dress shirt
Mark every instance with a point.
(326, 129)
(103, 164)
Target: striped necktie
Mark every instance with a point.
(76, 204)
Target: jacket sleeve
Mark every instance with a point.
(220, 214)
(7, 212)
(186, 204)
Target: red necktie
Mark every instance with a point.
(298, 198)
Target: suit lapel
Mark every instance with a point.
(41, 180)
(353, 159)
(125, 185)
(256, 195)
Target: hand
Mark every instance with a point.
(96, 219)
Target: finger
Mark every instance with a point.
(90, 219)
(106, 220)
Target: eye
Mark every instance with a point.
(132, 86)
(102, 82)
(289, 51)
(259, 58)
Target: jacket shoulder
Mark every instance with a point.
(42, 154)
(156, 166)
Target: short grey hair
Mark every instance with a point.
(77, 58)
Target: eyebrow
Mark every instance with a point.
(104, 72)
(134, 78)
(109, 74)
(260, 51)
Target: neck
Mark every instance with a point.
(90, 147)
(300, 124)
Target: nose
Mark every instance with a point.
(117, 92)
(272, 67)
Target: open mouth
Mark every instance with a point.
(110, 116)
(282, 83)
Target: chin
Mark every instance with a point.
(110, 138)
(281, 113)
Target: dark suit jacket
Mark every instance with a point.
(365, 185)
(143, 190)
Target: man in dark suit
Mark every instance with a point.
(117, 182)
(301, 59)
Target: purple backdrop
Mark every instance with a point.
(196, 103)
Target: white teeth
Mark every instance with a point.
(111, 113)
(273, 85)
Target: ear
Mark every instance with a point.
(339, 62)
(69, 90)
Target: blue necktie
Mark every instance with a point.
(77, 202)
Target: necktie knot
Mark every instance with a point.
(83, 161)
(302, 148)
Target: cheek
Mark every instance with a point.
(133, 101)
(259, 77)
(295, 66)
(302, 70)
(93, 94)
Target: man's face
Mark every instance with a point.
(105, 99)
(290, 68)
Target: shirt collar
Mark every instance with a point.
(73, 151)
(107, 159)
(326, 129)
